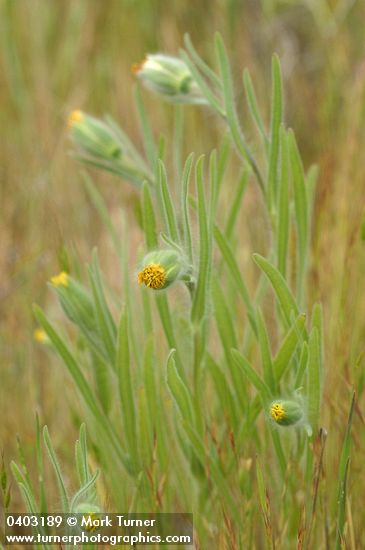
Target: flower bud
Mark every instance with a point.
(75, 300)
(160, 269)
(91, 516)
(170, 77)
(286, 412)
(100, 144)
(87, 508)
(93, 136)
(40, 336)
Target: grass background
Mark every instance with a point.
(59, 55)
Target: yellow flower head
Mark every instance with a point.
(74, 117)
(277, 412)
(40, 336)
(91, 522)
(60, 280)
(153, 276)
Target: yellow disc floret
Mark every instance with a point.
(277, 412)
(40, 335)
(60, 280)
(91, 522)
(153, 276)
(136, 67)
(74, 117)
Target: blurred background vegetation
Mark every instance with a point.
(58, 55)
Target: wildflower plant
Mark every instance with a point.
(182, 395)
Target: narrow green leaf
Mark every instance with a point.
(187, 240)
(69, 361)
(20, 478)
(57, 471)
(205, 89)
(314, 381)
(255, 379)
(123, 369)
(226, 330)
(279, 452)
(105, 321)
(340, 544)
(149, 219)
(28, 496)
(236, 204)
(168, 210)
(102, 382)
(342, 478)
(283, 294)
(235, 273)
(346, 446)
(166, 319)
(83, 491)
(311, 183)
(199, 305)
(301, 212)
(213, 188)
(81, 457)
(265, 352)
(230, 109)
(145, 431)
(178, 140)
(179, 390)
(149, 379)
(223, 157)
(253, 106)
(83, 446)
(201, 65)
(40, 467)
(317, 322)
(223, 390)
(303, 364)
(154, 401)
(276, 117)
(148, 140)
(223, 317)
(283, 205)
(102, 209)
(286, 351)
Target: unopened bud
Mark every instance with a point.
(91, 517)
(87, 508)
(75, 300)
(40, 336)
(93, 136)
(170, 77)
